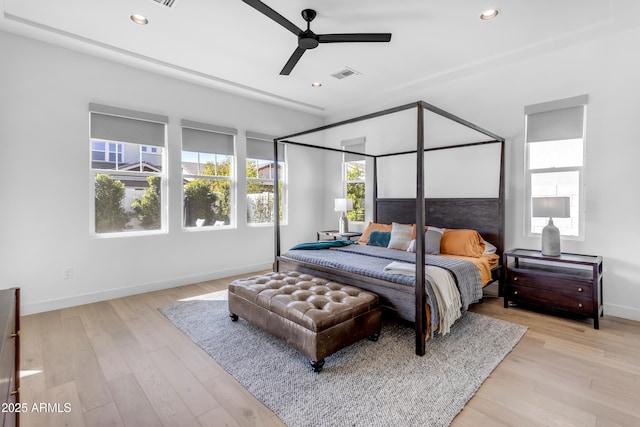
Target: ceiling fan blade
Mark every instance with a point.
(355, 37)
(266, 10)
(297, 54)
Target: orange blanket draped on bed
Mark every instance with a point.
(485, 264)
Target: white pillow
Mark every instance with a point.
(489, 248)
(400, 236)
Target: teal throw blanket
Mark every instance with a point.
(323, 244)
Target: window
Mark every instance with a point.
(260, 179)
(207, 174)
(555, 158)
(354, 168)
(127, 186)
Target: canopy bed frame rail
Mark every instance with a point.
(452, 208)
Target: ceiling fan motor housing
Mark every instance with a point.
(308, 40)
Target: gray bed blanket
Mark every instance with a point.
(370, 261)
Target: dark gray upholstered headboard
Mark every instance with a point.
(480, 214)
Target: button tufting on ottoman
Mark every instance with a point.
(315, 316)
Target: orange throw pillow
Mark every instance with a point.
(462, 242)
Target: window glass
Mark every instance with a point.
(558, 184)
(208, 179)
(556, 154)
(127, 186)
(355, 188)
(260, 179)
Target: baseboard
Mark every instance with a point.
(622, 311)
(42, 306)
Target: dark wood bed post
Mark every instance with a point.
(375, 189)
(276, 209)
(421, 315)
(501, 195)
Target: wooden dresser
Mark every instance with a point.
(10, 356)
(569, 283)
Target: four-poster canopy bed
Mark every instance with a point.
(482, 214)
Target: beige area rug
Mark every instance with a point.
(379, 383)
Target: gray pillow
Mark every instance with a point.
(432, 239)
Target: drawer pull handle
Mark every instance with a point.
(580, 289)
(515, 292)
(580, 304)
(515, 279)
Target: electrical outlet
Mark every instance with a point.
(68, 273)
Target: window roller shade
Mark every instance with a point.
(556, 120)
(260, 146)
(206, 138)
(356, 145)
(125, 129)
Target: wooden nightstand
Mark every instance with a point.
(570, 283)
(335, 235)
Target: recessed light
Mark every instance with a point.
(139, 19)
(316, 84)
(489, 14)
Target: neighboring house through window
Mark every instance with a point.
(208, 157)
(354, 168)
(555, 159)
(260, 170)
(128, 184)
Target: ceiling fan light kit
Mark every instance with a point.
(307, 39)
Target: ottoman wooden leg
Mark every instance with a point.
(374, 337)
(317, 366)
(234, 317)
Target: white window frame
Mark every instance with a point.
(579, 101)
(231, 179)
(101, 133)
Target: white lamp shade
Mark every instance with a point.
(550, 207)
(343, 205)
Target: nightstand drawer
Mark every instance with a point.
(550, 283)
(578, 303)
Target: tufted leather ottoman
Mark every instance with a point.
(315, 316)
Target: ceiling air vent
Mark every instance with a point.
(346, 72)
(169, 3)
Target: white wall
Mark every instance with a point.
(44, 147)
(606, 69)
(44, 225)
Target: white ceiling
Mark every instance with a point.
(229, 45)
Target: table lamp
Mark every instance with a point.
(343, 205)
(551, 207)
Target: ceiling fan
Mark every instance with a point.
(307, 39)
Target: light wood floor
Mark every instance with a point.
(121, 363)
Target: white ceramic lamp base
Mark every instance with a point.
(343, 225)
(551, 240)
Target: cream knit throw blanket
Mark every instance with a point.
(444, 287)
